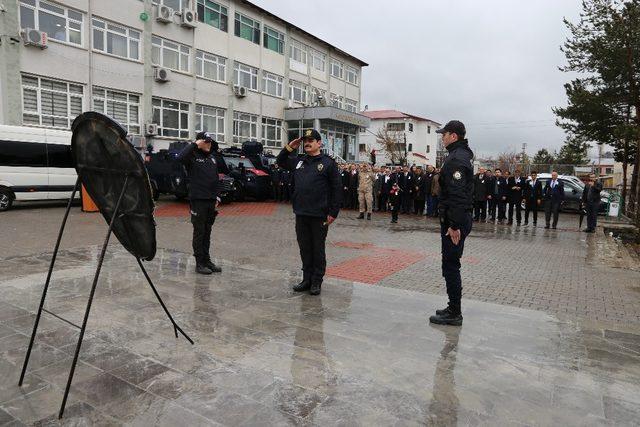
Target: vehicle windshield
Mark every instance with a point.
(234, 162)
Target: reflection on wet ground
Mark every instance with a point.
(357, 355)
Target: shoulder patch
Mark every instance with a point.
(320, 167)
(457, 175)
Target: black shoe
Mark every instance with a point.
(203, 269)
(554, 227)
(361, 216)
(546, 226)
(510, 223)
(535, 224)
(518, 224)
(525, 223)
(214, 268)
(302, 286)
(454, 319)
(315, 288)
(393, 221)
(443, 311)
(369, 216)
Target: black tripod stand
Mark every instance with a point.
(82, 328)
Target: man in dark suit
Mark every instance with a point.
(386, 183)
(480, 196)
(553, 197)
(405, 181)
(500, 194)
(515, 186)
(532, 198)
(353, 187)
(344, 178)
(491, 197)
(591, 202)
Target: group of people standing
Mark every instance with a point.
(400, 189)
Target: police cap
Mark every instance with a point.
(312, 133)
(205, 136)
(454, 126)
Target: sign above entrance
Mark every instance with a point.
(327, 113)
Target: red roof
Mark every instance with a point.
(393, 114)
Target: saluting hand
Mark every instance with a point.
(295, 143)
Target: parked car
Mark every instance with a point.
(168, 176)
(246, 166)
(35, 164)
(573, 188)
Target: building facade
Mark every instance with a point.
(415, 137)
(166, 69)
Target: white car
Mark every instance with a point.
(35, 164)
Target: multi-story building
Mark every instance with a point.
(166, 69)
(413, 137)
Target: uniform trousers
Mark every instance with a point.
(203, 215)
(451, 255)
(365, 200)
(311, 233)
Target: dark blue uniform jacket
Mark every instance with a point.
(456, 184)
(203, 173)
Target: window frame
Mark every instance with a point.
(396, 124)
(106, 30)
(340, 65)
(104, 99)
(304, 91)
(39, 92)
(255, 27)
(179, 51)
(303, 48)
(223, 14)
(352, 104)
(185, 4)
(275, 78)
(180, 111)
(219, 117)
(237, 69)
(253, 126)
(37, 8)
(275, 123)
(337, 101)
(349, 70)
(218, 61)
(279, 39)
(316, 55)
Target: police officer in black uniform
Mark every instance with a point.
(203, 195)
(455, 209)
(317, 194)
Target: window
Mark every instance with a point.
(123, 107)
(271, 132)
(336, 68)
(115, 39)
(272, 84)
(428, 129)
(210, 119)
(273, 40)
(168, 54)
(352, 75)
(336, 101)
(246, 76)
(50, 103)
(351, 105)
(172, 117)
(318, 60)
(608, 170)
(14, 153)
(395, 127)
(60, 23)
(174, 4)
(428, 149)
(245, 127)
(59, 156)
(410, 127)
(213, 14)
(298, 51)
(297, 91)
(210, 66)
(247, 28)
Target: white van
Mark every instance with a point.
(35, 164)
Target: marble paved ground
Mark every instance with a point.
(356, 355)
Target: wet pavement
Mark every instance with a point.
(263, 355)
(551, 333)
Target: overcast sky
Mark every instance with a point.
(492, 64)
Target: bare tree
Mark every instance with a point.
(508, 160)
(393, 143)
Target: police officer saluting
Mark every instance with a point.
(455, 207)
(316, 199)
(203, 196)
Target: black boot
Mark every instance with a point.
(315, 288)
(452, 317)
(302, 286)
(203, 269)
(369, 216)
(214, 268)
(443, 311)
(361, 216)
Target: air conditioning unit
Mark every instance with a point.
(150, 129)
(164, 14)
(240, 91)
(188, 18)
(33, 37)
(161, 74)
